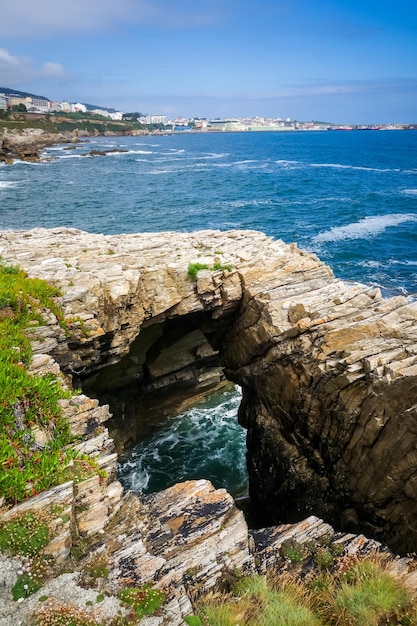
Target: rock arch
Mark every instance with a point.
(328, 368)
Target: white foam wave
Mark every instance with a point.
(242, 164)
(406, 263)
(352, 167)
(139, 480)
(237, 204)
(289, 164)
(208, 157)
(170, 158)
(410, 192)
(175, 452)
(7, 184)
(365, 228)
(30, 163)
(73, 156)
(136, 152)
(165, 171)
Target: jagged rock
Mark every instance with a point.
(104, 152)
(328, 369)
(186, 541)
(189, 534)
(27, 145)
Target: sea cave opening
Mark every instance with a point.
(175, 415)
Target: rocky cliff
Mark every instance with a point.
(328, 369)
(28, 145)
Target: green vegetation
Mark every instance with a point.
(32, 580)
(193, 620)
(258, 602)
(360, 592)
(294, 552)
(368, 595)
(194, 268)
(25, 534)
(35, 438)
(138, 602)
(68, 122)
(143, 601)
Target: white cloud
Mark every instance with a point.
(15, 70)
(53, 70)
(6, 59)
(48, 18)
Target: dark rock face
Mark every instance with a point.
(167, 367)
(329, 378)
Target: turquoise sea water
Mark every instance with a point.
(349, 196)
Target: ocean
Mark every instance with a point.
(348, 196)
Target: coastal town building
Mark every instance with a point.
(226, 125)
(79, 108)
(41, 105)
(153, 119)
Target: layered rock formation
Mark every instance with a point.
(328, 369)
(184, 541)
(28, 145)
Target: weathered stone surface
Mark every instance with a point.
(328, 372)
(190, 534)
(27, 145)
(184, 541)
(328, 369)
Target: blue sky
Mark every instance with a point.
(339, 61)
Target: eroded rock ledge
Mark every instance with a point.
(328, 369)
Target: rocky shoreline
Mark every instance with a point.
(27, 145)
(328, 372)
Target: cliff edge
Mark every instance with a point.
(328, 369)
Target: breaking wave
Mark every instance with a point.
(365, 228)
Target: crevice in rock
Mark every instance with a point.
(170, 366)
(328, 369)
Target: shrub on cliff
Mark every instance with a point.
(194, 268)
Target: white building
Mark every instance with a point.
(65, 107)
(79, 108)
(101, 112)
(153, 119)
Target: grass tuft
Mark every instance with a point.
(357, 592)
(194, 268)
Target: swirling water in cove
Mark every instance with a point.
(349, 196)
